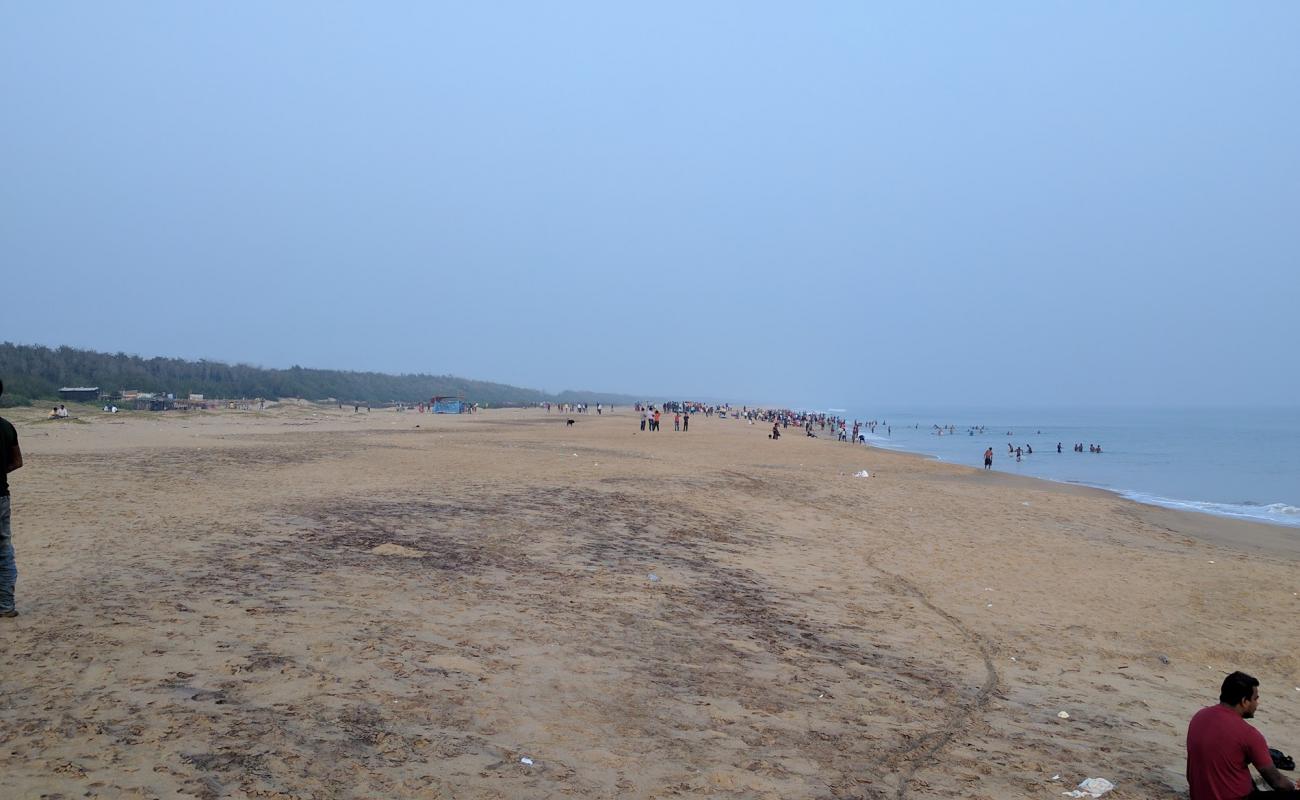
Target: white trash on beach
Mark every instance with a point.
(528, 762)
(1091, 787)
(653, 578)
(861, 474)
(1063, 714)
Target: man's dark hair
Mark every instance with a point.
(1237, 687)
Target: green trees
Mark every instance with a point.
(32, 372)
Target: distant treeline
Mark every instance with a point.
(32, 373)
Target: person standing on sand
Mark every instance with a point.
(1221, 746)
(988, 458)
(11, 458)
(686, 422)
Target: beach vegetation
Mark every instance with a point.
(34, 373)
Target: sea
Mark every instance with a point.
(1232, 462)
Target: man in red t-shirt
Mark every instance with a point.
(1221, 746)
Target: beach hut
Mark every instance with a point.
(84, 394)
(447, 405)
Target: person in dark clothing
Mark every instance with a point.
(11, 458)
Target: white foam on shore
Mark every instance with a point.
(1274, 513)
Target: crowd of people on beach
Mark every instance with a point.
(813, 423)
(575, 408)
(651, 417)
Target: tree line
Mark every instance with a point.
(33, 373)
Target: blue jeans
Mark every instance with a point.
(8, 569)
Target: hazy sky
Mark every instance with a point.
(834, 204)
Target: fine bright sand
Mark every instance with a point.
(311, 603)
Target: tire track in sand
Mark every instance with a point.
(926, 747)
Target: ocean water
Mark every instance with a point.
(1232, 462)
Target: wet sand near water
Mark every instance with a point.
(310, 603)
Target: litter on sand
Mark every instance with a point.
(526, 761)
(1063, 714)
(862, 473)
(1091, 787)
(653, 578)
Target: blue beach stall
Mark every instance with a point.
(448, 405)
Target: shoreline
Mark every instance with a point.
(1243, 535)
(1169, 504)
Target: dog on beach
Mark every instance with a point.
(568, 423)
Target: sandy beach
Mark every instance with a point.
(310, 603)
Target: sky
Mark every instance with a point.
(821, 205)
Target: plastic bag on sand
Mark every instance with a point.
(1091, 787)
(861, 474)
